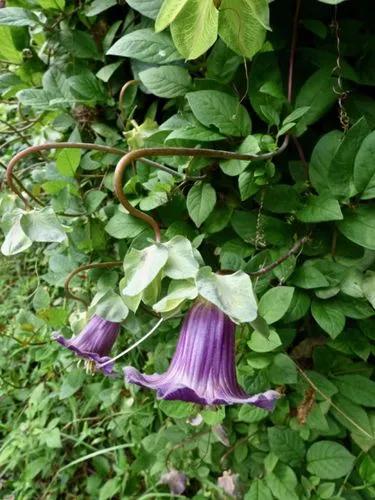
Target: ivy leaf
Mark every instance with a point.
(200, 202)
(242, 25)
(110, 306)
(194, 30)
(43, 226)
(232, 293)
(141, 268)
(178, 292)
(123, 225)
(181, 263)
(16, 241)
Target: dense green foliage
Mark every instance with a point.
(211, 73)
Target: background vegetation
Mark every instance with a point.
(214, 75)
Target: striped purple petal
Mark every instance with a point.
(94, 343)
(202, 369)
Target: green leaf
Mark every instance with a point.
(178, 292)
(16, 16)
(72, 382)
(52, 438)
(68, 161)
(321, 158)
(141, 268)
(320, 209)
(242, 25)
(200, 202)
(364, 168)
(308, 276)
(234, 167)
(8, 49)
(176, 409)
(329, 460)
(247, 185)
(275, 303)
(340, 174)
(258, 489)
(148, 8)
(110, 306)
(194, 30)
(282, 370)
(359, 226)
(221, 110)
(147, 46)
(264, 71)
(16, 241)
(357, 388)
(287, 445)
(43, 226)
(181, 263)
(317, 93)
(259, 343)
(232, 293)
(282, 482)
(368, 287)
(36, 98)
(168, 13)
(87, 88)
(123, 225)
(166, 81)
(251, 414)
(99, 6)
(332, 2)
(328, 316)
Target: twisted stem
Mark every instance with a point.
(137, 154)
(98, 265)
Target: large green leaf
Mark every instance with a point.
(232, 293)
(146, 45)
(43, 226)
(168, 13)
(275, 303)
(200, 202)
(340, 174)
(194, 30)
(166, 81)
(148, 8)
(141, 268)
(317, 93)
(221, 110)
(286, 444)
(242, 25)
(364, 168)
(329, 460)
(16, 16)
(359, 226)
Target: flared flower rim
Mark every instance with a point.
(174, 390)
(107, 369)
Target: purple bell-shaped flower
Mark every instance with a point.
(94, 343)
(203, 366)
